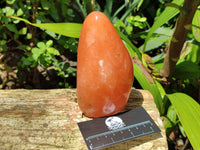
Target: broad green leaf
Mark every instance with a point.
(171, 114)
(165, 101)
(23, 31)
(9, 11)
(193, 53)
(196, 25)
(160, 88)
(187, 70)
(155, 42)
(164, 31)
(37, 52)
(12, 28)
(53, 51)
(19, 12)
(151, 87)
(188, 111)
(165, 16)
(10, 1)
(49, 43)
(41, 45)
(66, 29)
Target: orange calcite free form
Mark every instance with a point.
(104, 68)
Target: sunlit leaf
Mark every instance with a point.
(9, 11)
(10, 1)
(146, 85)
(154, 43)
(188, 111)
(23, 31)
(66, 29)
(171, 114)
(193, 53)
(196, 25)
(165, 16)
(53, 51)
(19, 12)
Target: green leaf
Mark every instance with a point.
(187, 70)
(193, 54)
(188, 111)
(171, 114)
(2, 42)
(12, 28)
(53, 51)
(9, 11)
(133, 47)
(36, 53)
(182, 130)
(165, 102)
(196, 25)
(160, 36)
(29, 36)
(130, 9)
(146, 85)
(108, 8)
(167, 124)
(41, 45)
(19, 12)
(66, 29)
(165, 16)
(10, 1)
(49, 43)
(45, 4)
(154, 42)
(23, 31)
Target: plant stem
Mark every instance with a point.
(182, 27)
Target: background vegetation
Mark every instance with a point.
(38, 49)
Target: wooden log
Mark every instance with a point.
(47, 120)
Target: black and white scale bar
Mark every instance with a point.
(104, 132)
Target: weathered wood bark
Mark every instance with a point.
(47, 119)
(182, 27)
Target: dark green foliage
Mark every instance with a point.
(43, 51)
(36, 47)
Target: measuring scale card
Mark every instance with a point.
(103, 132)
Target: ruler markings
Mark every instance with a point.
(127, 130)
(117, 130)
(121, 131)
(104, 145)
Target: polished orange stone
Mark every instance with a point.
(104, 68)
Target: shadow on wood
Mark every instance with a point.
(47, 119)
